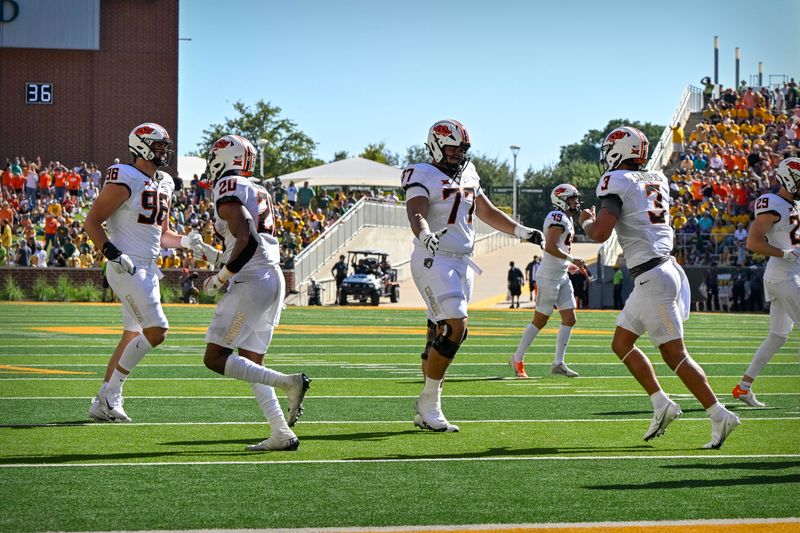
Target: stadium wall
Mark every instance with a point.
(25, 277)
(98, 95)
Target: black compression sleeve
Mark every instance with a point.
(236, 264)
(612, 203)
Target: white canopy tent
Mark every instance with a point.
(353, 172)
(188, 166)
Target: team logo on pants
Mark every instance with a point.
(428, 262)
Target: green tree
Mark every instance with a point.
(416, 154)
(381, 154)
(493, 172)
(580, 173)
(340, 155)
(588, 149)
(288, 149)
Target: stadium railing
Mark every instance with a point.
(690, 102)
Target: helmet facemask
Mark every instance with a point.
(449, 133)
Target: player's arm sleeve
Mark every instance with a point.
(611, 203)
(237, 223)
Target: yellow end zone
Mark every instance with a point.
(9, 369)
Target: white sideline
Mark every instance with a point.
(387, 397)
(91, 424)
(414, 460)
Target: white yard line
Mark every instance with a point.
(704, 456)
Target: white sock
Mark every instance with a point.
(659, 399)
(432, 387)
(771, 344)
(239, 367)
(562, 341)
(716, 412)
(268, 401)
(527, 338)
(133, 353)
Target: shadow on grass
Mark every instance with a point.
(49, 424)
(366, 436)
(742, 465)
(511, 452)
(111, 457)
(648, 412)
(701, 483)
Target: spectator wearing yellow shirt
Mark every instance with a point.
(679, 221)
(86, 257)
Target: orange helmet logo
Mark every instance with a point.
(144, 130)
(617, 135)
(443, 130)
(794, 165)
(220, 144)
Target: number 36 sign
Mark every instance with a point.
(39, 93)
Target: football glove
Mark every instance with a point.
(431, 240)
(194, 242)
(529, 234)
(123, 262)
(791, 254)
(213, 284)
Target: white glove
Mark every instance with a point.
(213, 284)
(791, 254)
(194, 242)
(431, 240)
(123, 262)
(529, 234)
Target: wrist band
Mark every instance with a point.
(586, 223)
(570, 258)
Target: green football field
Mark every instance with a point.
(543, 450)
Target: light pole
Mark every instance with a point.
(515, 151)
(261, 143)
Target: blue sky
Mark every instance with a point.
(539, 75)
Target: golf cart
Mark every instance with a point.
(372, 278)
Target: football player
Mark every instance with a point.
(134, 205)
(249, 311)
(635, 202)
(775, 233)
(443, 199)
(554, 286)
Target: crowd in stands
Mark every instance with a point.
(42, 209)
(724, 165)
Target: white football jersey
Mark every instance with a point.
(784, 234)
(553, 267)
(643, 228)
(268, 252)
(452, 204)
(135, 228)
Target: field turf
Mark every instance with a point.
(543, 450)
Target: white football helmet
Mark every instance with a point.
(561, 194)
(448, 133)
(623, 144)
(788, 175)
(141, 141)
(230, 153)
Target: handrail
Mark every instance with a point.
(364, 213)
(691, 102)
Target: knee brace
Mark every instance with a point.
(431, 335)
(442, 343)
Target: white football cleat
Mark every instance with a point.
(720, 430)
(111, 403)
(563, 370)
(294, 396)
(434, 420)
(747, 396)
(97, 412)
(276, 443)
(661, 419)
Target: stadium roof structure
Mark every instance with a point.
(353, 172)
(188, 166)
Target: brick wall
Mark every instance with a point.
(26, 277)
(98, 96)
